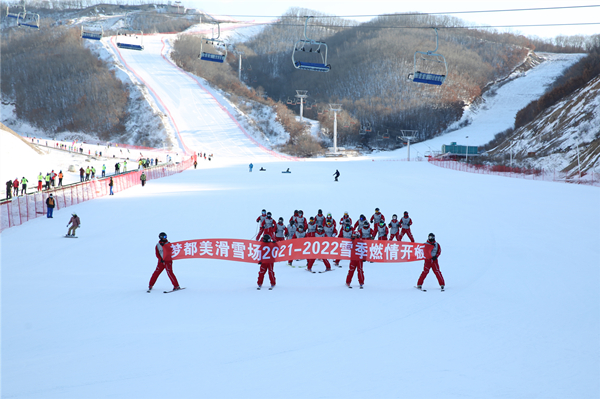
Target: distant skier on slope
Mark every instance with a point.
(164, 253)
(336, 174)
(432, 263)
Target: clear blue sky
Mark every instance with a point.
(354, 7)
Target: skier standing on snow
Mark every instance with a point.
(320, 233)
(365, 231)
(267, 226)
(291, 229)
(336, 174)
(301, 220)
(345, 220)
(261, 218)
(382, 230)
(294, 216)
(280, 231)
(394, 226)
(346, 232)
(360, 222)
(320, 218)
(76, 222)
(143, 179)
(81, 172)
(312, 226)
(111, 183)
(164, 253)
(9, 189)
(250, 167)
(330, 230)
(432, 263)
(266, 265)
(377, 217)
(406, 223)
(329, 218)
(355, 264)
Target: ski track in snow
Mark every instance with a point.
(517, 319)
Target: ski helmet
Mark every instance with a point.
(319, 227)
(382, 223)
(266, 238)
(431, 237)
(394, 216)
(292, 222)
(406, 213)
(362, 217)
(376, 210)
(300, 212)
(281, 220)
(162, 236)
(320, 212)
(268, 214)
(366, 224)
(347, 227)
(264, 211)
(300, 228)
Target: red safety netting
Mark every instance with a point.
(21, 209)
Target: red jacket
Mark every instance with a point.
(164, 252)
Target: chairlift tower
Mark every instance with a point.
(301, 94)
(407, 136)
(335, 108)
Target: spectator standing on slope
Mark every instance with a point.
(143, 179)
(40, 180)
(355, 264)
(111, 183)
(53, 178)
(103, 170)
(60, 178)
(50, 203)
(24, 186)
(16, 187)
(266, 265)
(164, 253)
(47, 178)
(75, 222)
(81, 173)
(406, 222)
(9, 189)
(432, 263)
(250, 167)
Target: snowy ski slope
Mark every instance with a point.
(519, 318)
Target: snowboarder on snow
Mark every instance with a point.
(250, 167)
(164, 253)
(432, 263)
(266, 265)
(76, 222)
(336, 174)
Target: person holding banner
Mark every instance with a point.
(266, 265)
(164, 253)
(432, 263)
(346, 232)
(320, 233)
(355, 264)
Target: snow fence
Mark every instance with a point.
(19, 210)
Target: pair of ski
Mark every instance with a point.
(270, 288)
(168, 292)
(349, 286)
(421, 289)
(321, 271)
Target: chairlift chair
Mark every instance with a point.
(289, 101)
(92, 32)
(28, 20)
(423, 73)
(130, 40)
(368, 128)
(317, 47)
(385, 136)
(215, 42)
(14, 14)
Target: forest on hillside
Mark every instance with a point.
(369, 67)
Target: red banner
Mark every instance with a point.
(301, 248)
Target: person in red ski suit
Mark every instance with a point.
(359, 223)
(356, 264)
(432, 263)
(301, 220)
(320, 233)
(164, 253)
(281, 232)
(328, 219)
(382, 230)
(345, 220)
(346, 232)
(329, 229)
(311, 227)
(377, 217)
(406, 222)
(320, 218)
(394, 226)
(365, 232)
(267, 226)
(294, 216)
(299, 232)
(262, 217)
(266, 265)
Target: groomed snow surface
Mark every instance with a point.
(519, 319)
